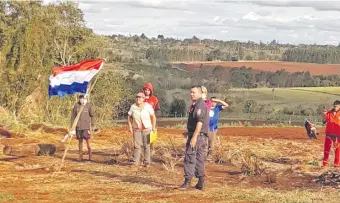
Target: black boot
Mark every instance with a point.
(200, 184)
(185, 185)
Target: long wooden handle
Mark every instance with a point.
(73, 128)
(74, 124)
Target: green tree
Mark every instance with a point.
(178, 107)
(34, 38)
(250, 106)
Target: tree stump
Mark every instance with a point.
(21, 150)
(30, 150)
(46, 149)
(47, 129)
(5, 133)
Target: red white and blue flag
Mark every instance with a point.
(73, 79)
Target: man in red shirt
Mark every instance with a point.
(332, 120)
(153, 100)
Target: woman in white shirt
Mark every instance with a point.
(142, 121)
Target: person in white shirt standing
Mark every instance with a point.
(142, 121)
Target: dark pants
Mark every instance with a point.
(83, 134)
(194, 158)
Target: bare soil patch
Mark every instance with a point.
(290, 158)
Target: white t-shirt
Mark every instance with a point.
(141, 117)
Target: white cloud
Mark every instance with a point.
(317, 5)
(190, 12)
(252, 16)
(284, 21)
(216, 19)
(333, 38)
(86, 7)
(151, 2)
(224, 31)
(293, 35)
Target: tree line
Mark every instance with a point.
(313, 54)
(195, 49)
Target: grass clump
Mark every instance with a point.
(5, 197)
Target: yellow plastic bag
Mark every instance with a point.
(153, 136)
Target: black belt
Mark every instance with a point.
(201, 134)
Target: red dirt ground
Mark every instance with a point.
(314, 69)
(165, 123)
(47, 129)
(29, 184)
(287, 133)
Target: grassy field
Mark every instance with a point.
(324, 90)
(295, 99)
(282, 96)
(289, 96)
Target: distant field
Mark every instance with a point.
(287, 96)
(282, 96)
(271, 66)
(293, 98)
(325, 90)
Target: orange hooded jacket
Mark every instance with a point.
(152, 99)
(332, 119)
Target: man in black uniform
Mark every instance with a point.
(197, 132)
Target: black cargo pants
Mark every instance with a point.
(194, 160)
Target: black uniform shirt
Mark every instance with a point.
(198, 113)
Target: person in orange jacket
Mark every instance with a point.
(332, 120)
(153, 100)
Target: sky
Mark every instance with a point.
(295, 22)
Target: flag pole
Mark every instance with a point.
(74, 124)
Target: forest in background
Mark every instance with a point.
(35, 37)
(162, 50)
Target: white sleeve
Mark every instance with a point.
(130, 111)
(150, 109)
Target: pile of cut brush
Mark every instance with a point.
(329, 179)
